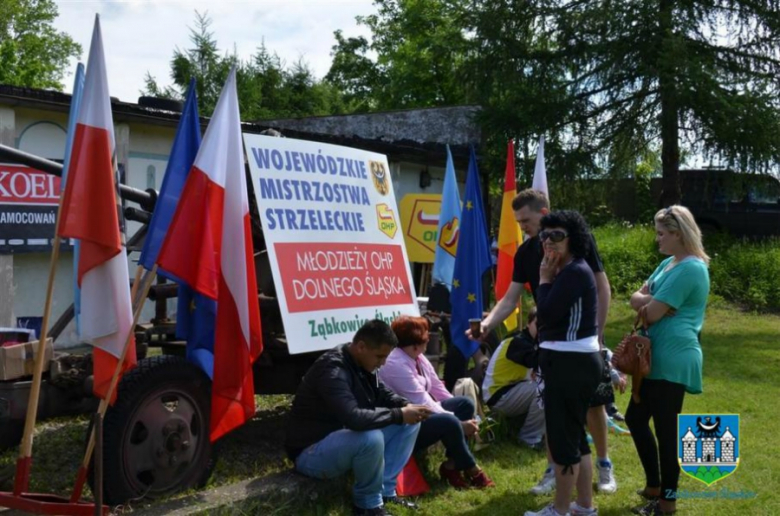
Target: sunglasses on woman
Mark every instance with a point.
(555, 235)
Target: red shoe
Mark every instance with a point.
(454, 477)
(481, 480)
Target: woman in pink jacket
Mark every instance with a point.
(409, 374)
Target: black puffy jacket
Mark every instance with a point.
(335, 394)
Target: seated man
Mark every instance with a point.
(344, 419)
(508, 388)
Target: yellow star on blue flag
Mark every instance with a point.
(472, 260)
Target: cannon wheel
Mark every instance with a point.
(156, 436)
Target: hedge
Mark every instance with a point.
(742, 271)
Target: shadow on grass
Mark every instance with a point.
(58, 449)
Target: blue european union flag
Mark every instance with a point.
(449, 227)
(471, 261)
(195, 322)
(195, 317)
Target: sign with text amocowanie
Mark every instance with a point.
(332, 229)
(28, 209)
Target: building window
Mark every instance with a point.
(151, 177)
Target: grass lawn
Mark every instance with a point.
(741, 358)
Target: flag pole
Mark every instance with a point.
(24, 462)
(81, 478)
(138, 271)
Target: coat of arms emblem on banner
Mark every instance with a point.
(708, 445)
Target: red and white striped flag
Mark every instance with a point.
(90, 213)
(209, 246)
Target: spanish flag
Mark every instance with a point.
(509, 235)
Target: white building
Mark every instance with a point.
(35, 121)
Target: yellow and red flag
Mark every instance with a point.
(509, 234)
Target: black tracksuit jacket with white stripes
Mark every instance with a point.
(566, 308)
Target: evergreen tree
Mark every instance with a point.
(265, 88)
(697, 74)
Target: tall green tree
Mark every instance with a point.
(33, 53)
(265, 87)
(421, 50)
(701, 75)
(606, 81)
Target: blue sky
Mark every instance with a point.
(141, 35)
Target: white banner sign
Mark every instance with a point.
(331, 226)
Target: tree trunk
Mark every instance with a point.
(670, 128)
(670, 153)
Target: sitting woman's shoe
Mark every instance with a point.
(454, 477)
(481, 480)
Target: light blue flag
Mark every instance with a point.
(75, 102)
(471, 262)
(449, 227)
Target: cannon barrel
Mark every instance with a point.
(146, 198)
(144, 217)
(163, 291)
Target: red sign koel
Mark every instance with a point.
(23, 185)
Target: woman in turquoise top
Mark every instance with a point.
(673, 300)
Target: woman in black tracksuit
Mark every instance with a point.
(568, 355)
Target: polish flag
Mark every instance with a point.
(90, 213)
(209, 247)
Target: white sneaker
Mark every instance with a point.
(546, 485)
(606, 482)
(576, 509)
(547, 511)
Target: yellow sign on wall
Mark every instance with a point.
(420, 221)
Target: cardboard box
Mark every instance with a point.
(18, 361)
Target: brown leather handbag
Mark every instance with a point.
(633, 355)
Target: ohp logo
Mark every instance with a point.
(450, 231)
(386, 220)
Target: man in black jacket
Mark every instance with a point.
(344, 419)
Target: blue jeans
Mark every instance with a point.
(375, 456)
(447, 429)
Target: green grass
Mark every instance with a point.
(741, 359)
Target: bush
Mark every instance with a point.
(741, 271)
(630, 254)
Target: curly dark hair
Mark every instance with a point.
(575, 226)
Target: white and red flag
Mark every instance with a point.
(209, 246)
(91, 214)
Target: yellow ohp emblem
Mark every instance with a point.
(448, 239)
(386, 220)
(379, 175)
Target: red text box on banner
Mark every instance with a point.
(328, 276)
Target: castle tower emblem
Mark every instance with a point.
(708, 445)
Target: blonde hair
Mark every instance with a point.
(679, 219)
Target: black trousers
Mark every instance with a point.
(662, 401)
(570, 381)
